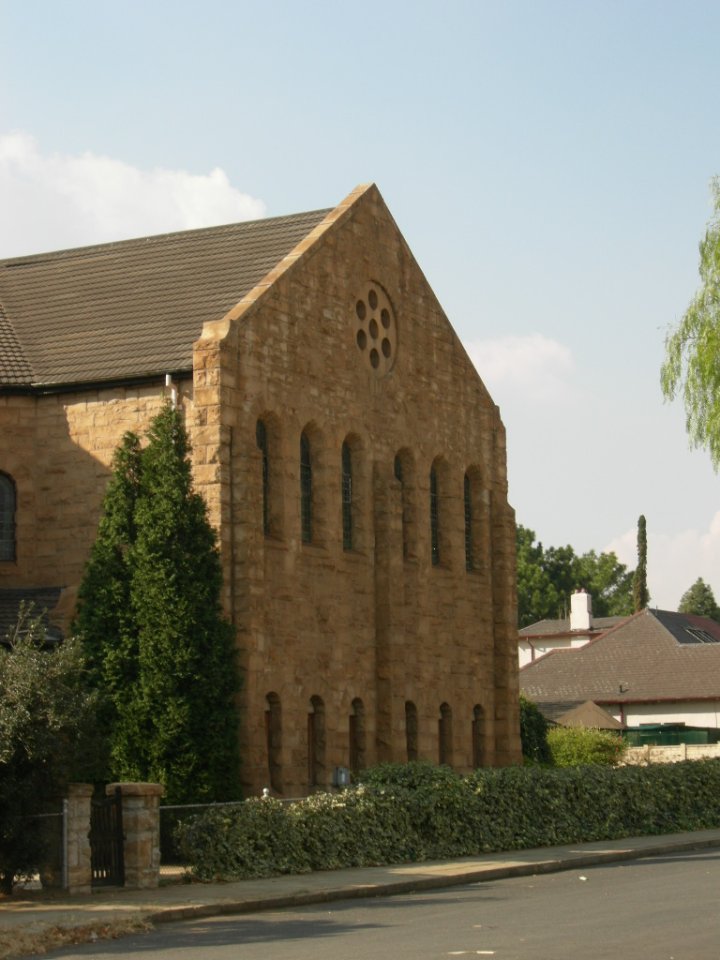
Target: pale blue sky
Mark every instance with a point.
(548, 162)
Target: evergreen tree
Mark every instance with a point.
(700, 600)
(151, 620)
(641, 597)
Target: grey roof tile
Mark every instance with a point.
(133, 308)
(641, 659)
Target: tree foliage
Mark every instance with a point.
(149, 614)
(692, 350)
(699, 599)
(546, 577)
(580, 746)
(46, 733)
(533, 732)
(641, 597)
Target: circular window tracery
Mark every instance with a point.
(376, 329)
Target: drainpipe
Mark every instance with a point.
(169, 385)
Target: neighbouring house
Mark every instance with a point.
(351, 458)
(654, 667)
(568, 633)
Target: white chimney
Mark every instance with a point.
(580, 610)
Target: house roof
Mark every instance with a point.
(548, 628)
(134, 308)
(653, 655)
(588, 714)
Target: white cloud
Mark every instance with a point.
(51, 200)
(532, 367)
(675, 561)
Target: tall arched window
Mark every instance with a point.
(445, 752)
(306, 489)
(411, 730)
(478, 735)
(469, 544)
(357, 736)
(7, 518)
(273, 740)
(316, 743)
(347, 497)
(434, 518)
(262, 442)
(400, 477)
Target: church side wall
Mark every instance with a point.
(351, 640)
(58, 450)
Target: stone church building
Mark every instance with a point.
(351, 458)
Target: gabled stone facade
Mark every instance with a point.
(354, 467)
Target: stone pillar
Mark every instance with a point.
(141, 826)
(77, 852)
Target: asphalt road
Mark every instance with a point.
(662, 908)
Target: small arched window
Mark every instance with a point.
(478, 734)
(261, 438)
(316, 742)
(357, 736)
(434, 518)
(273, 739)
(347, 497)
(306, 489)
(411, 730)
(445, 752)
(468, 507)
(7, 517)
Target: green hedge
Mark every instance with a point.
(413, 812)
(575, 746)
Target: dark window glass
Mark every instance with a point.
(411, 730)
(305, 489)
(7, 518)
(434, 519)
(347, 498)
(469, 552)
(261, 438)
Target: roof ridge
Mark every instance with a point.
(192, 234)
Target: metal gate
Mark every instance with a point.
(107, 841)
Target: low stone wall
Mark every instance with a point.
(672, 754)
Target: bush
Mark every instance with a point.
(533, 733)
(578, 746)
(414, 812)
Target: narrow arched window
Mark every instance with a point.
(316, 743)
(262, 443)
(445, 735)
(357, 736)
(469, 545)
(347, 497)
(7, 518)
(400, 477)
(434, 518)
(273, 740)
(306, 489)
(411, 730)
(478, 735)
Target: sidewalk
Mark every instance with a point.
(43, 922)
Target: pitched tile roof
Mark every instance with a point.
(546, 628)
(133, 308)
(648, 657)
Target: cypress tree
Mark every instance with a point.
(186, 652)
(150, 618)
(641, 596)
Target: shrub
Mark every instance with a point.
(533, 733)
(413, 812)
(578, 746)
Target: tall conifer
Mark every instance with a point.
(151, 620)
(641, 596)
